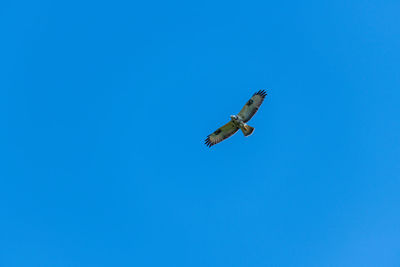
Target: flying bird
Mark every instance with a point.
(238, 121)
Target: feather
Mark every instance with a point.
(252, 105)
(221, 134)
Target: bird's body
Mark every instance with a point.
(238, 121)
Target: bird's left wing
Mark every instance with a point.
(221, 134)
(252, 106)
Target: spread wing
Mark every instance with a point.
(221, 134)
(252, 106)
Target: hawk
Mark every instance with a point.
(238, 121)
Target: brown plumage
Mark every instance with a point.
(252, 106)
(239, 121)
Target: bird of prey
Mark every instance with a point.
(238, 121)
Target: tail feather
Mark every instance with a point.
(247, 130)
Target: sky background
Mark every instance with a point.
(104, 108)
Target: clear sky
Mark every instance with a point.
(104, 108)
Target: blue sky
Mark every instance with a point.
(104, 107)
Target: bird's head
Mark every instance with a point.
(234, 117)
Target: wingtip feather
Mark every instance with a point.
(208, 142)
(261, 93)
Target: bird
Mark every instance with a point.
(238, 121)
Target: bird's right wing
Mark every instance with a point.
(221, 134)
